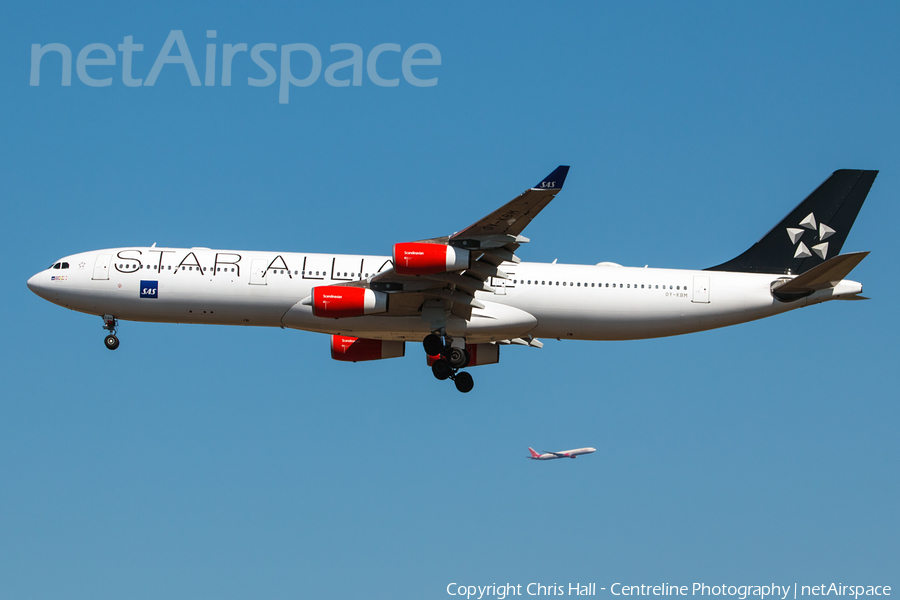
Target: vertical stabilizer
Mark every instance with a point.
(812, 233)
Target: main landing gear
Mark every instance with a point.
(451, 360)
(110, 324)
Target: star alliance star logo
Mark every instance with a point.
(809, 223)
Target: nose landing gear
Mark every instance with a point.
(110, 324)
(451, 360)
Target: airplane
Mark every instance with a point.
(564, 454)
(464, 295)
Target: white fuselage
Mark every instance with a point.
(585, 302)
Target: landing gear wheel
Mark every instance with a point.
(464, 382)
(433, 344)
(441, 369)
(112, 342)
(459, 358)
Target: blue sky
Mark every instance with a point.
(212, 462)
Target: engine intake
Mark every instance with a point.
(339, 301)
(351, 349)
(423, 258)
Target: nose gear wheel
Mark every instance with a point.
(110, 324)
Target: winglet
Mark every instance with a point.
(533, 453)
(555, 180)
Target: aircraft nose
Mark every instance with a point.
(34, 283)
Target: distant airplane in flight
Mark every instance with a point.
(465, 294)
(564, 454)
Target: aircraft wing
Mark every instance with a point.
(490, 241)
(512, 218)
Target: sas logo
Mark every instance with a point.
(149, 289)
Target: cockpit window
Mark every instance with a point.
(65, 265)
(56, 266)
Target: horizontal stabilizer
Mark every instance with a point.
(826, 275)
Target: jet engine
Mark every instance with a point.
(339, 301)
(353, 349)
(423, 258)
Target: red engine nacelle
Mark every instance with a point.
(422, 258)
(339, 301)
(479, 354)
(353, 349)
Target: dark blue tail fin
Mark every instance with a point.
(812, 233)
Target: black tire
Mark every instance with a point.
(441, 369)
(112, 342)
(464, 382)
(459, 358)
(433, 344)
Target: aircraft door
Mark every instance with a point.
(101, 266)
(701, 289)
(258, 271)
